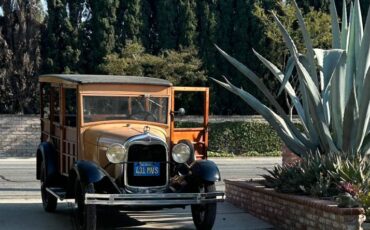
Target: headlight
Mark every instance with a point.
(116, 153)
(181, 153)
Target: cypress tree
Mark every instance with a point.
(166, 21)
(186, 23)
(129, 22)
(176, 22)
(61, 51)
(224, 32)
(132, 20)
(149, 30)
(20, 34)
(85, 44)
(75, 9)
(206, 28)
(238, 32)
(103, 24)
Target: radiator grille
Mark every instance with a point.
(146, 153)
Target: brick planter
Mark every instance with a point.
(287, 211)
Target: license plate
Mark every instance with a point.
(146, 168)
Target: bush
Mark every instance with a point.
(343, 176)
(241, 139)
(312, 175)
(183, 68)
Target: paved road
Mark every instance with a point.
(17, 177)
(19, 198)
(243, 168)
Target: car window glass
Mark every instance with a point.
(56, 104)
(45, 100)
(144, 108)
(193, 103)
(71, 107)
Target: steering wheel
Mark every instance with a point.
(144, 115)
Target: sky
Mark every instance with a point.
(43, 4)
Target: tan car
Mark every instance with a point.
(113, 140)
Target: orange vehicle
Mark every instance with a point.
(113, 140)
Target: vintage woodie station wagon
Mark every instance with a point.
(113, 140)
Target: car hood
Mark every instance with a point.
(107, 134)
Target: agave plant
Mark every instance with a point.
(334, 86)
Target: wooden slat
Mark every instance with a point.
(190, 89)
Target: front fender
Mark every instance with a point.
(206, 170)
(46, 155)
(89, 172)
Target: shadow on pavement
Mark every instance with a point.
(32, 216)
(114, 218)
(25, 214)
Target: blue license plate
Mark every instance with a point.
(146, 168)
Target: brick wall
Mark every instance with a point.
(20, 135)
(291, 211)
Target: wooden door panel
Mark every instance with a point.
(197, 135)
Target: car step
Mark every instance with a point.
(59, 193)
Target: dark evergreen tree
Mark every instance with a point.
(129, 22)
(149, 29)
(206, 29)
(85, 44)
(60, 47)
(76, 9)
(20, 60)
(167, 17)
(238, 32)
(224, 32)
(187, 23)
(103, 24)
(176, 22)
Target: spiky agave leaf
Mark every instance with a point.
(288, 87)
(328, 61)
(315, 103)
(275, 120)
(340, 100)
(309, 46)
(336, 42)
(364, 113)
(259, 83)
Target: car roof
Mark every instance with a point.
(103, 79)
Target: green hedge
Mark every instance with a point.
(241, 139)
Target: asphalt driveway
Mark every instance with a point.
(20, 205)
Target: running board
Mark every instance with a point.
(59, 193)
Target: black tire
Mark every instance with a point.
(86, 214)
(49, 202)
(204, 215)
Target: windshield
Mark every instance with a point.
(143, 108)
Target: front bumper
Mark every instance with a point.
(154, 199)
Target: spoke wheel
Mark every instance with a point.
(86, 214)
(204, 215)
(49, 202)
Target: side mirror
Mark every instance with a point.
(180, 112)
